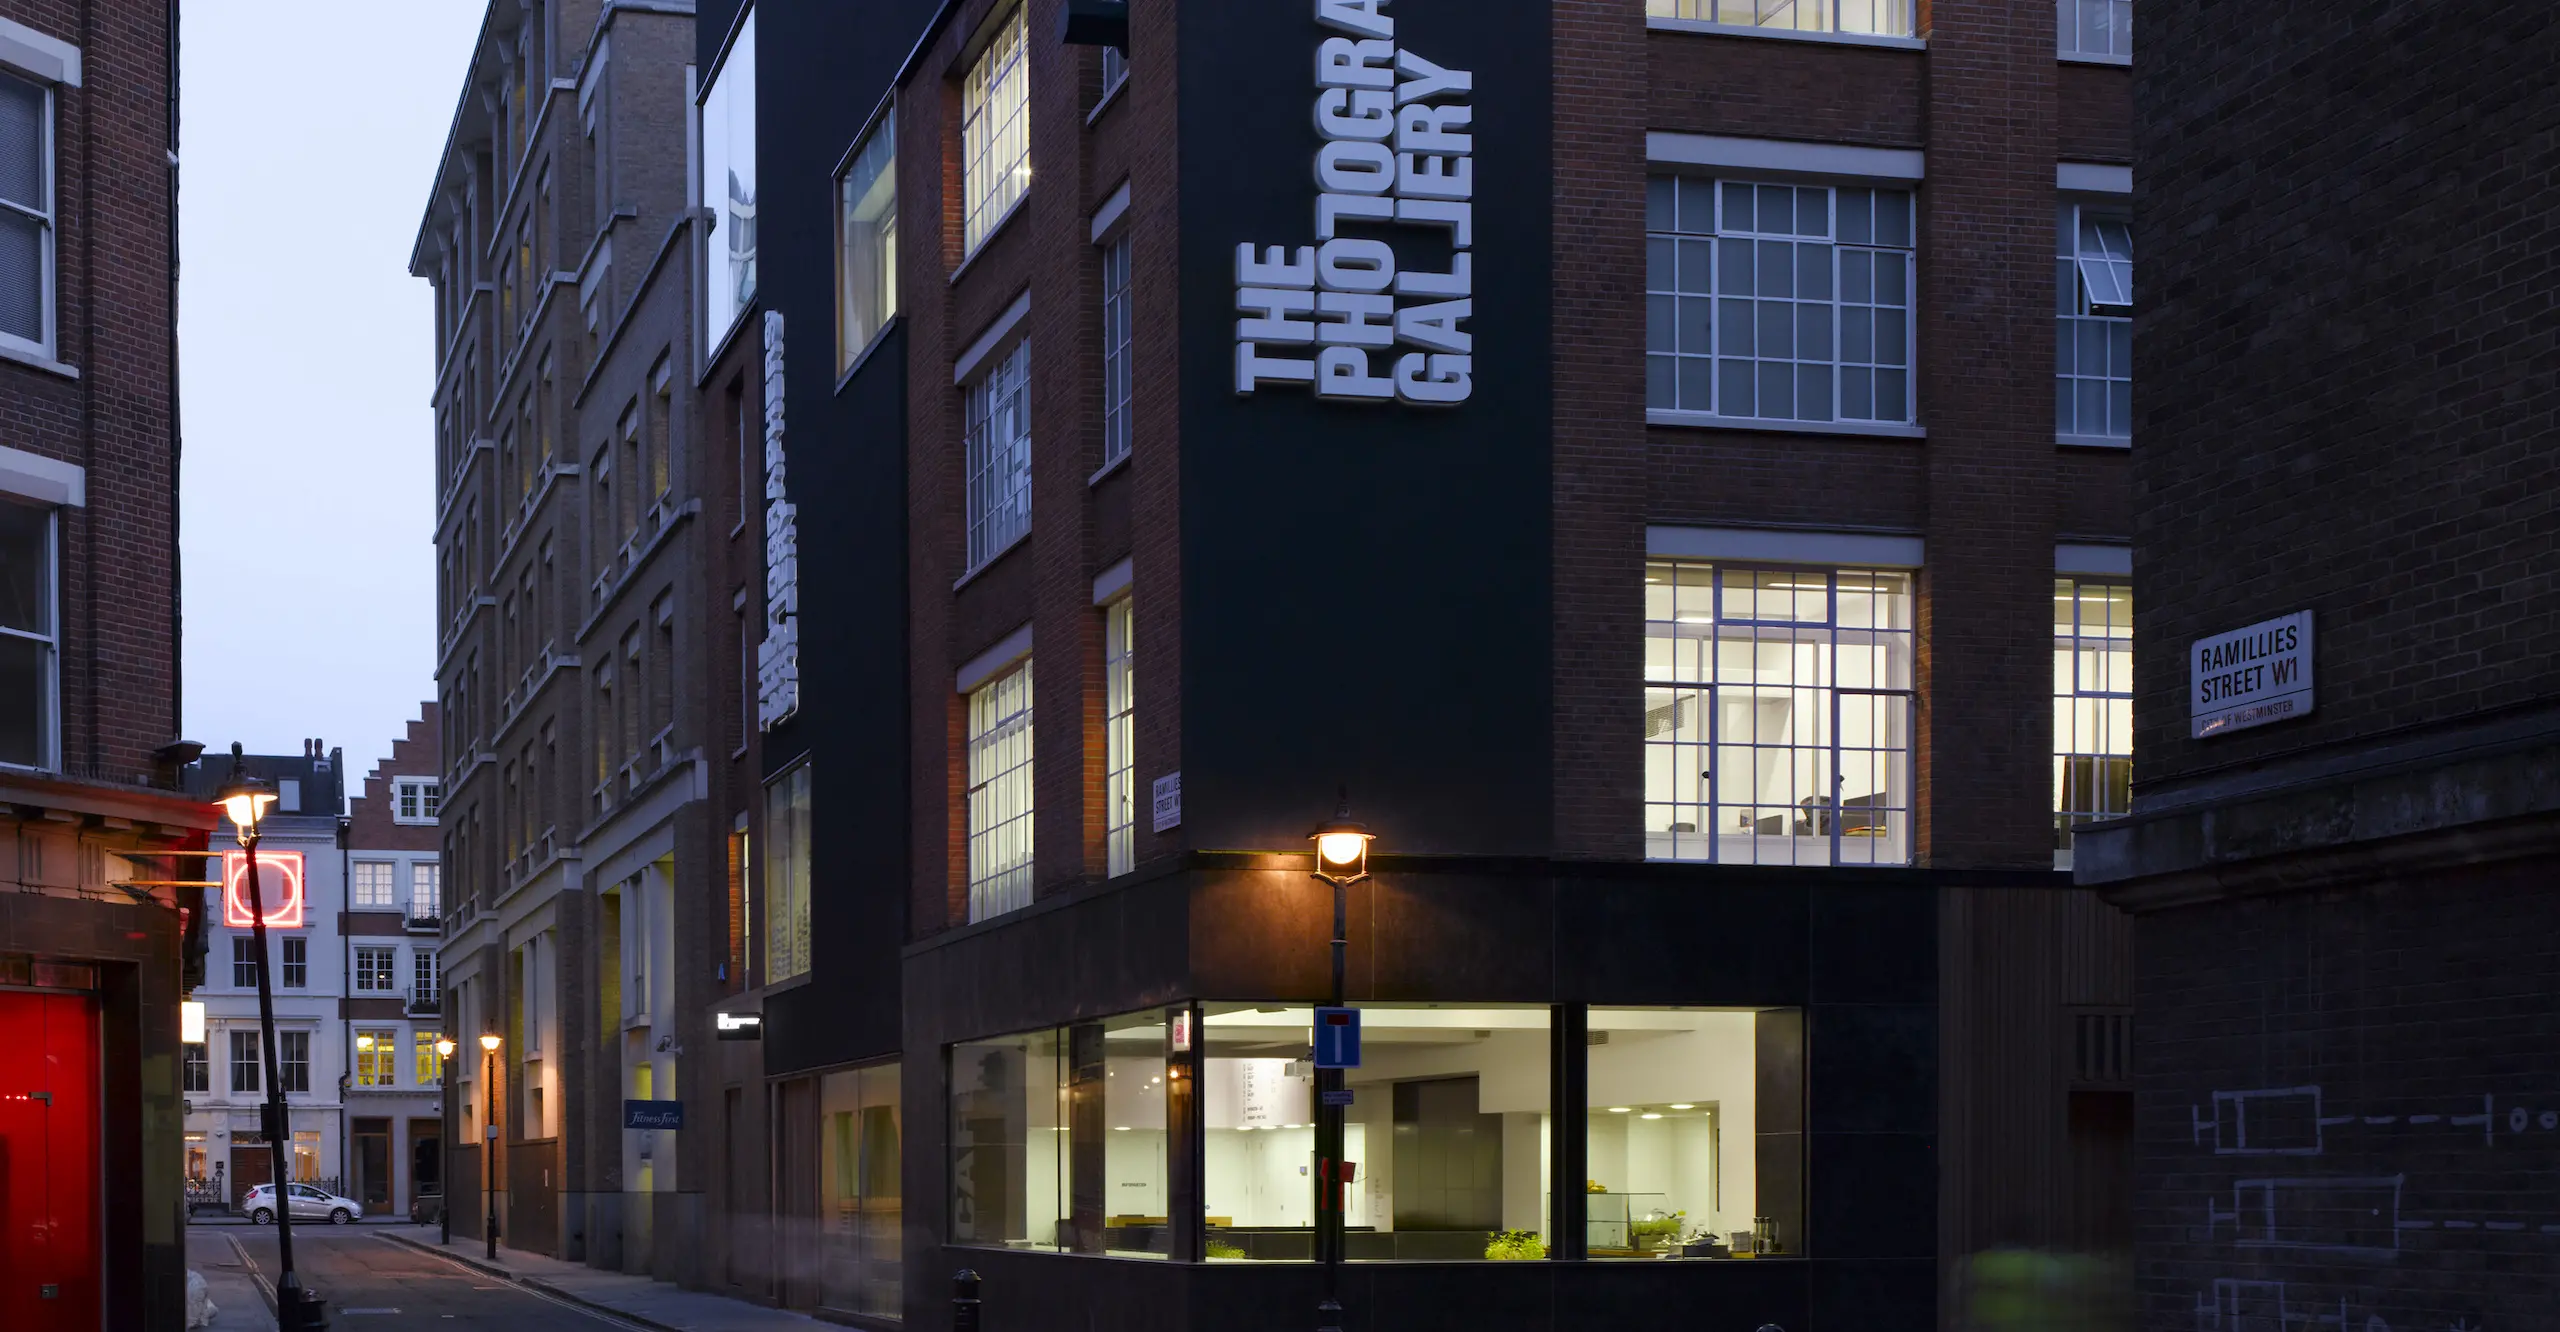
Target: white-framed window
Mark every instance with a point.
(195, 1068)
(293, 1061)
(297, 963)
(1874, 18)
(1115, 348)
(1119, 734)
(430, 1065)
(1000, 795)
(787, 833)
(374, 973)
(377, 1057)
(999, 456)
(26, 214)
(995, 129)
(426, 980)
(1778, 302)
(1777, 722)
(2096, 29)
(416, 799)
(867, 241)
(1115, 71)
(2092, 706)
(728, 187)
(244, 961)
(30, 634)
(371, 890)
(426, 890)
(244, 1062)
(2093, 346)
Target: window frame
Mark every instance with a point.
(293, 1075)
(1909, 35)
(361, 895)
(390, 972)
(2076, 316)
(1119, 393)
(47, 220)
(246, 1056)
(427, 794)
(786, 877)
(882, 129)
(997, 81)
(49, 584)
(2073, 648)
(740, 45)
(379, 1066)
(1000, 712)
(1119, 735)
(244, 961)
(2119, 47)
(999, 393)
(294, 963)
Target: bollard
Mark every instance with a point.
(964, 1301)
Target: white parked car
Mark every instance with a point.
(308, 1203)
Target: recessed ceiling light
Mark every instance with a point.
(1620, 1109)
(1119, 1128)
(1684, 1106)
(1650, 1114)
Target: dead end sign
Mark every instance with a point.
(2250, 676)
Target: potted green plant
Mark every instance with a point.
(1222, 1249)
(1514, 1246)
(1654, 1232)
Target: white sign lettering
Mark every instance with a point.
(778, 657)
(2251, 676)
(1168, 802)
(1399, 151)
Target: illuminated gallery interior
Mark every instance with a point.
(1692, 1134)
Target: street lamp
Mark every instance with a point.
(245, 800)
(1342, 859)
(444, 1162)
(489, 1138)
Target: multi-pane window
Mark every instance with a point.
(195, 1070)
(2093, 347)
(26, 213)
(29, 641)
(1115, 350)
(371, 890)
(430, 1064)
(1878, 18)
(2102, 28)
(1000, 795)
(377, 1058)
(867, 242)
(787, 834)
(244, 961)
(244, 1062)
(426, 891)
(415, 799)
(729, 182)
(999, 458)
(2092, 706)
(1115, 70)
(1777, 723)
(293, 1060)
(373, 970)
(995, 128)
(1119, 734)
(297, 963)
(426, 983)
(1778, 302)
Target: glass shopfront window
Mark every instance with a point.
(1447, 1130)
(1059, 1139)
(1695, 1138)
(861, 1211)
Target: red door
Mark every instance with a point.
(48, 1162)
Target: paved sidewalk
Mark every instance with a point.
(239, 1306)
(656, 1304)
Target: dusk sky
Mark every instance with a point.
(305, 367)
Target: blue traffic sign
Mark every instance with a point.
(1337, 1038)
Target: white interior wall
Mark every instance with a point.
(1713, 1061)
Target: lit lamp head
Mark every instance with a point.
(244, 799)
(444, 1047)
(1342, 845)
(489, 1041)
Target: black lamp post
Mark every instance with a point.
(444, 1154)
(1342, 859)
(489, 1138)
(245, 801)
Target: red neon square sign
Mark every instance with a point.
(279, 885)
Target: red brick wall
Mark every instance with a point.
(369, 815)
(113, 311)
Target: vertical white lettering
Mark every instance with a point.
(1356, 16)
(1343, 372)
(1343, 63)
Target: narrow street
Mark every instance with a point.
(375, 1284)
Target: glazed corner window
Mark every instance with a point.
(995, 128)
(1874, 18)
(999, 455)
(861, 1208)
(1694, 1145)
(1115, 349)
(1028, 1111)
(416, 799)
(1778, 302)
(371, 890)
(29, 640)
(26, 214)
(1000, 795)
(867, 241)
(2097, 29)
(786, 875)
(1447, 1134)
(1777, 714)
(1119, 734)
(2092, 707)
(729, 183)
(2093, 347)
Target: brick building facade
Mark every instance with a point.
(94, 953)
(392, 925)
(2345, 939)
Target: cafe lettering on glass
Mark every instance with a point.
(1353, 317)
(2250, 677)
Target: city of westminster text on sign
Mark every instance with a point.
(1399, 151)
(2249, 677)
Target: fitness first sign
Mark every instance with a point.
(2249, 677)
(1356, 316)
